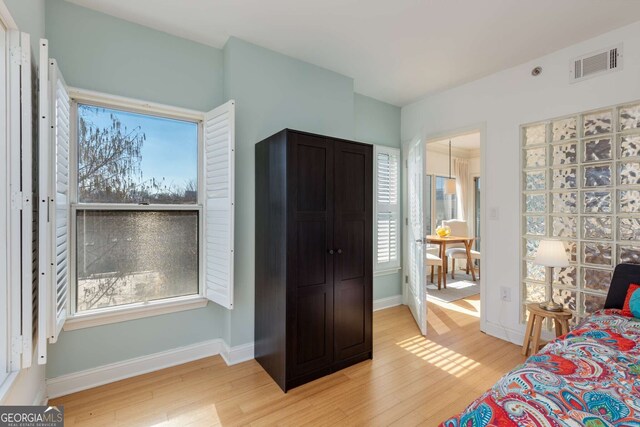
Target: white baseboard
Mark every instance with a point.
(101, 375)
(388, 302)
(237, 354)
(507, 334)
(515, 336)
(94, 377)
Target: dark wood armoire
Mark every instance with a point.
(313, 295)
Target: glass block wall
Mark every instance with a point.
(581, 184)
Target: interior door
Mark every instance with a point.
(416, 289)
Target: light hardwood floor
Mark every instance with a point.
(412, 380)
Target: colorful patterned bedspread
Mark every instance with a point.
(589, 377)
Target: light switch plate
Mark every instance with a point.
(494, 214)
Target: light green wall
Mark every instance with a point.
(272, 92)
(91, 347)
(377, 122)
(99, 52)
(102, 53)
(29, 16)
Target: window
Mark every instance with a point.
(580, 184)
(148, 251)
(446, 204)
(387, 209)
(136, 207)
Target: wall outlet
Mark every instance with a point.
(505, 294)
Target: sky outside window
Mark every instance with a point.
(136, 157)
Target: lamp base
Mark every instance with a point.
(551, 306)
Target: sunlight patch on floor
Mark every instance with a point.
(441, 357)
(197, 413)
(464, 306)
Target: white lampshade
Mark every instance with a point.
(450, 186)
(551, 253)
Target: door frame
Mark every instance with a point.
(429, 137)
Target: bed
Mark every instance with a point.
(588, 377)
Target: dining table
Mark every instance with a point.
(442, 242)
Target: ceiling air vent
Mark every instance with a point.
(596, 63)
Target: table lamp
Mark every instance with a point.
(551, 254)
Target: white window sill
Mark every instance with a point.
(386, 271)
(133, 311)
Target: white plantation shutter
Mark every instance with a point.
(53, 292)
(60, 133)
(20, 181)
(219, 169)
(387, 244)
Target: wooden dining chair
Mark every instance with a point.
(433, 261)
(457, 250)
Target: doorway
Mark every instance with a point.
(450, 195)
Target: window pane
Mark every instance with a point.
(476, 186)
(125, 257)
(446, 204)
(428, 196)
(126, 157)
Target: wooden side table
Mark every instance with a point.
(534, 326)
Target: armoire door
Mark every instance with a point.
(310, 268)
(352, 239)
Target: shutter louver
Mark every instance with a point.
(60, 133)
(387, 209)
(219, 170)
(54, 131)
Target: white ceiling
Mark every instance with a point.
(396, 50)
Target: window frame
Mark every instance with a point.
(6, 290)
(12, 342)
(393, 266)
(106, 315)
(454, 204)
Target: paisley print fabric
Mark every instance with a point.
(589, 377)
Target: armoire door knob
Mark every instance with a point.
(330, 251)
(339, 251)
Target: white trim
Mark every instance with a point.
(238, 354)
(382, 303)
(112, 206)
(101, 375)
(514, 336)
(6, 18)
(484, 211)
(141, 309)
(387, 272)
(132, 104)
(133, 311)
(15, 199)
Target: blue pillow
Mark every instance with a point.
(634, 304)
